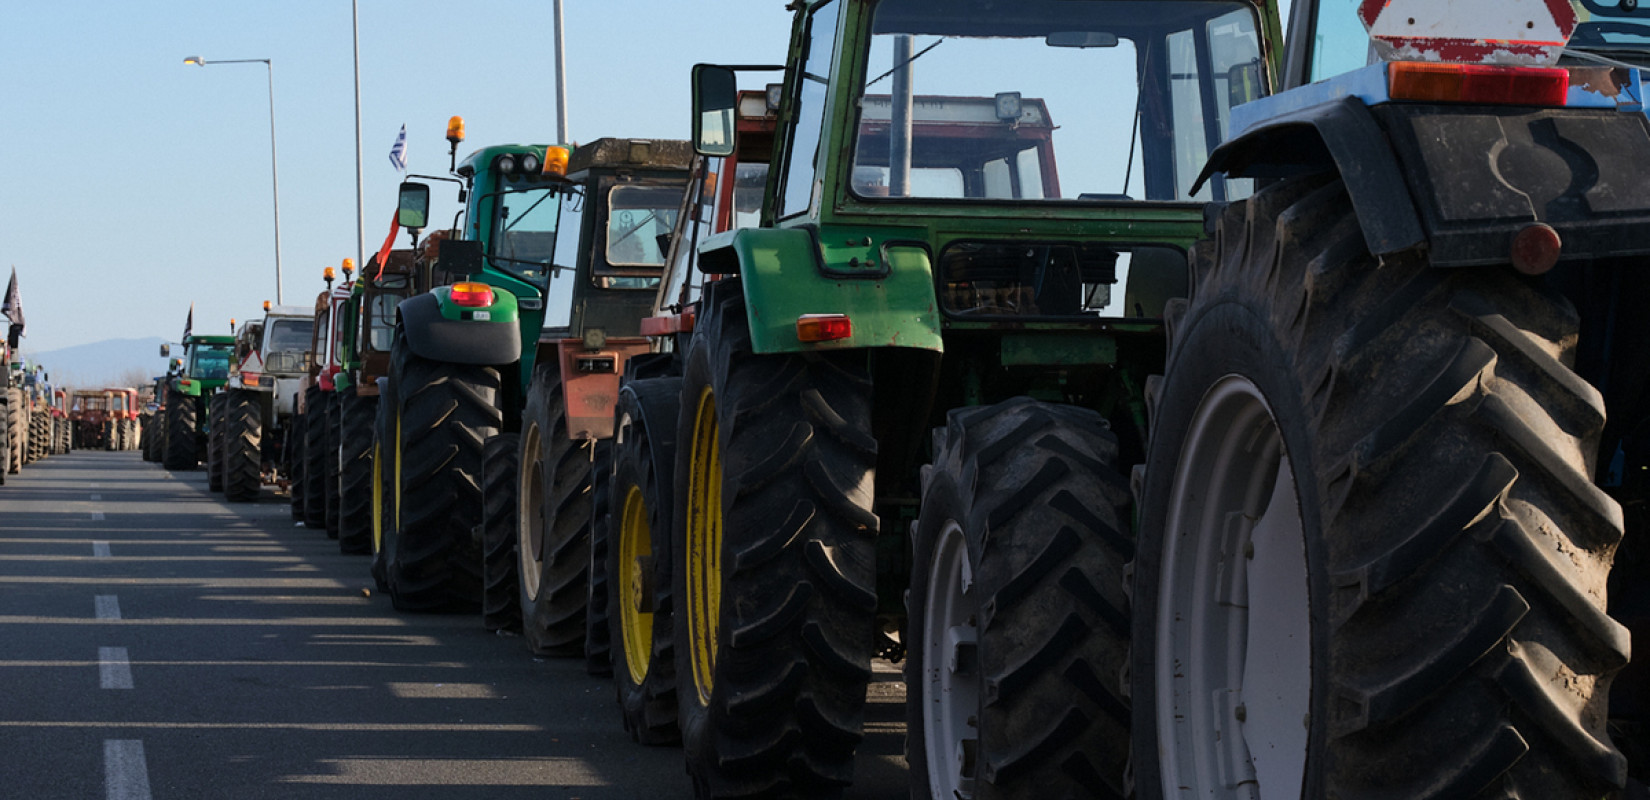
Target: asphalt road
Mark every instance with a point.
(156, 642)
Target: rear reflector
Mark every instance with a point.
(1536, 248)
(823, 327)
(472, 295)
(1476, 83)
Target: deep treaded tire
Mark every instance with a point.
(774, 659)
(554, 533)
(335, 414)
(5, 435)
(19, 430)
(500, 604)
(315, 447)
(446, 412)
(243, 434)
(1455, 548)
(214, 441)
(293, 454)
(180, 431)
(40, 434)
(598, 645)
(355, 473)
(642, 501)
(1018, 628)
(384, 453)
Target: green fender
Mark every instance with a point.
(884, 284)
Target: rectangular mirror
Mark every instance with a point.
(412, 209)
(165, 351)
(715, 96)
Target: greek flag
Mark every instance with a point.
(398, 151)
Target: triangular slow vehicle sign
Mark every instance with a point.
(1509, 32)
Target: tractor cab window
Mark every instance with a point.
(639, 221)
(381, 317)
(1085, 100)
(285, 344)
(1339, 41)
(210, 362)
(524, 231)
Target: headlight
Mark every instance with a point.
(530, 164)
(505, 164)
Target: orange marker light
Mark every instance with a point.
(326, 274)
(823, 327)
(472, 295)
(266, 305)
(349, 267)
(455, 130)
(555, 161)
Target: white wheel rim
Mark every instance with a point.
(951, 683)
(1233, 665)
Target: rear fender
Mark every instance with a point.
(885, 287)
(439, 330)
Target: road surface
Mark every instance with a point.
(157, 642)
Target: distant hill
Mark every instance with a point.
(110, 362)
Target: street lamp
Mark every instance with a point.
(274, 179)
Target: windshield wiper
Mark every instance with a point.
(903, 64)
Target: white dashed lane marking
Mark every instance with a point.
(100, 550)
(97, 497)
(108, 606)
(97, 515)
(114, 668)
(125, 771)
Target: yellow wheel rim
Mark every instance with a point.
(397, 520)
(377, 497)
(635, 545)
(704, 546)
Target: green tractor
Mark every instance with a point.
(483, 353)
(894, 413)
(366, 331)
(200, 374)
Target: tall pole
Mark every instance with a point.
(274, 178)
(561, 82)
(360, 204)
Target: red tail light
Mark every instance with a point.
(472, 295)
(1476, 83)
(823, 327)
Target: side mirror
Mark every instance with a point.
(412, 209)
(715, 98)
(165, 351)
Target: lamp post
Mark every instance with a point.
(274, 171)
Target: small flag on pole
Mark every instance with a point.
(389, 244)
(12, 310)
(189, 323)
(398, 151)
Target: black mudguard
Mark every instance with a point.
(1464, 179)
(436, 338)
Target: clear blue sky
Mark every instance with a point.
(132, 184)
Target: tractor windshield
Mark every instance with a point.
(524, 231)
(210, 362)
(286, 342)
(1060, 100)
(387, 294)
(639, 221)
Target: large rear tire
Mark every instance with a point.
(214, 440)
(775, 568)
(641, 509)
(355, 473)
(332, 465)
(500, 605)
(40, 434)
(1367, 505)
(180, 431)
(554, 525)
(293, 454)
(19, 428)
(315, 448)
(447, 411)
(243, 433)
(1018, 633)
